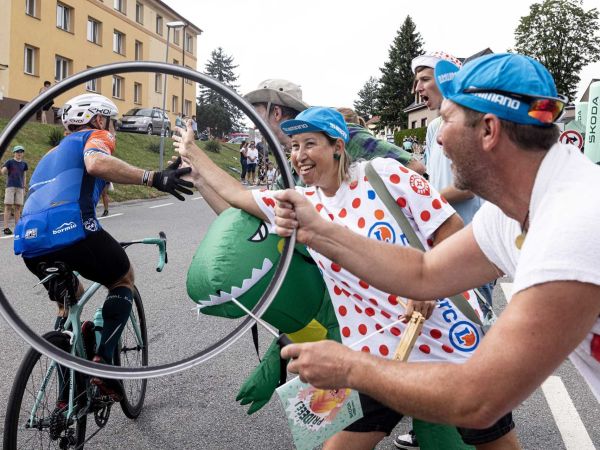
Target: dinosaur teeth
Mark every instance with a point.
(247, 284)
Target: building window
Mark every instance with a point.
(63, 17)
(176, 36)
(187, 108)
(137, 93)
(119, 42)
(93, 85)
(175, 104)
(62, 68)
(117, 87)
(31, 8)
(158, 83)
(424, 122)
(175, 63)
(159, 25)
(139, 51)
(413, 124)
(120, 6)
(139, 12)
(93, 31)
(189, 43)
(30, 61)
(187, 80)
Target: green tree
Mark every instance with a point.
(562, 36)
(366, 105)
(395, 92)
(213, 110)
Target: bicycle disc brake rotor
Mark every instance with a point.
(100, 370)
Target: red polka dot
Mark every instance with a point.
(346, 332)
(430, 242)
(361, 222)
(337, 290)
(365, 178)
(378, 327)
(309, 193)
(353, 185)
(363, 284)
(358, 309)
(386, 314)
(362, 329)
(345, 284)
(393, 300)
(395, 178)
(447, 349)
(425, 216)
(467, 295)
(346, 293)
(373, 301)
(343, 213)
(435, 333)
(436, 204)
(379, 214)
(331, 216)
(357, 297)
(370, 312)
(365, 349)
(342, 310)
(425, 349)
(321, 264)
(395, 331)
(356, 203)
(319, 207)
(401, 202)
(403, 169)
(383, 350)
(443, 199)
(336, 267)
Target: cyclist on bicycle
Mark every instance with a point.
(59, 221)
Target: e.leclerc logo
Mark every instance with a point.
(383, 231)
(464, 336)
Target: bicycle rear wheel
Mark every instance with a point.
(133, 352)
(48, 428)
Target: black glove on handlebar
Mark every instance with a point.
(169, 180)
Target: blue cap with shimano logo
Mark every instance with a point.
(318, 119)
(513, 87)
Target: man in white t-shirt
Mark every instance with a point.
(540, 226)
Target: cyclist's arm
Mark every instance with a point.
(109, 168)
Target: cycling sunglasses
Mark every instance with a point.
(545, 109)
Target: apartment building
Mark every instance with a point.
(50, 40)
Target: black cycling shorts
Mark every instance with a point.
(378, 417)
(98, 257)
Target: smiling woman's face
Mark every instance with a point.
(312, 158)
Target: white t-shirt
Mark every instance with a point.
(252, 155)
(563, 240)
(440, 172)
(361, 309)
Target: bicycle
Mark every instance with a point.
(33, 417)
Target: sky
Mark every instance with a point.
(331, 47)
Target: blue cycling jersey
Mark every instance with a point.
(61, 205)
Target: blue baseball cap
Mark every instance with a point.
(318, 119)
(18, 148)
(485, 84)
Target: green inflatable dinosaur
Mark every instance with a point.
(237, 258)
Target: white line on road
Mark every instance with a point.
(567, 419)
(6, 237)
(160, 206)
(111, 215)
(197, 198)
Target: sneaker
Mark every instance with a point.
(107, 386)
(407, 441)
(105, 213)
(7, 231)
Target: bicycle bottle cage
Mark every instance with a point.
(62, 287)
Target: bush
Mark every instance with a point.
(153, 147)
(213, 146)
(55, 136)
(418, 132)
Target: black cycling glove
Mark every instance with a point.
(169, 180)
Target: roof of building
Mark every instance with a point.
(189, 24)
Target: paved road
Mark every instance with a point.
(196, 408)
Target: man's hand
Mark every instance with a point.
(292, 212)
(324, 364)
(425, 308)
(185, 144)
(169, 180)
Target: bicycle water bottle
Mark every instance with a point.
(98, 324)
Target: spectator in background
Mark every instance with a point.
(252, 162)
(16, 180)
(407, 144)
(47, 106)
(105, 198)
(244, 161)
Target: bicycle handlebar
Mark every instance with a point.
(160, 242)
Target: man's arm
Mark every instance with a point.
(451, 267)
(109, 168)
(454, 195)
(4, 170)
(520, 351)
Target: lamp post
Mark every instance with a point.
(174, 25)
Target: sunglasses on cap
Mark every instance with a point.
(544, 109)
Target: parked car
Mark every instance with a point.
(237, 140)
(145, 120)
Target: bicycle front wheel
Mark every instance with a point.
(35, 415)
(133, 352)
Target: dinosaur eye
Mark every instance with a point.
(260, 234)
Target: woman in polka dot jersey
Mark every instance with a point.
(370, 320)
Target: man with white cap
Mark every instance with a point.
(538, 226)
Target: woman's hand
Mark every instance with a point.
(425, 308)
(184, 143)
(294, 212)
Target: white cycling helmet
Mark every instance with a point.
(81, 109)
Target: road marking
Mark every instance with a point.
(160, 206)
(109, 216)
(197, 198)
(507, 289)
(572, 430)
(6, 237)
